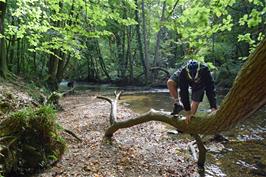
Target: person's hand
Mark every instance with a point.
(188, 115)
(177, 108)
(213, 109)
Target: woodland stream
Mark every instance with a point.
(243, 154)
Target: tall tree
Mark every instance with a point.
(145, 42)
(158, 37)
(140, 48)
(3, 62)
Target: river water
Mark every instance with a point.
(243, 155)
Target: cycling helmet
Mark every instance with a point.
(192, 65)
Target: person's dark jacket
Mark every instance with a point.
(204, 81)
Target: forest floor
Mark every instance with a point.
(142, 150)
(145, 150)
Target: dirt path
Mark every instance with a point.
(143, 150)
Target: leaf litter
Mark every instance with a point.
(139, 151)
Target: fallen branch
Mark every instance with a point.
(152, 69)
(161, 69)
(69, 91)
(72, 134)
(113, 103)
(153, 115)
(193, 151)
(54, 97)
(202, 150)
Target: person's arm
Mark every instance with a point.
(210, 89)
(172, 87)
(184, 94)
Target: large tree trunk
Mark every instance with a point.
(246, 96)
(3, 63)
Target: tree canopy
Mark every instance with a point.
(102, 40)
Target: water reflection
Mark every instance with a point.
(141, 103)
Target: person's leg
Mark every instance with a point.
(172, 87)
(196, 98)
(194, 107)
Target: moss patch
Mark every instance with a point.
(30, 141)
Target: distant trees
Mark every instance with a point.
(122, 41)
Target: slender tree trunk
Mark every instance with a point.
(60, 68)
(3, 62)
(44, 61)
(52, 72)
(8, 44)
(119, 52)
(12, 51)
(22, 52)
(18, 57)
(90, 68)
(124, 59)
(63, 62)
(101, 60)
(146, 49)
(141, 55)
(158, 38)
(53, 62)
(34, 63)
(129, 56)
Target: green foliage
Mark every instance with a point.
(37, 31)
(200, 20)
(30, 141)
(227, 73)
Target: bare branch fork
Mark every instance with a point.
(113, 103)
(152, 115)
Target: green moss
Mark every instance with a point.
(30, 140)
